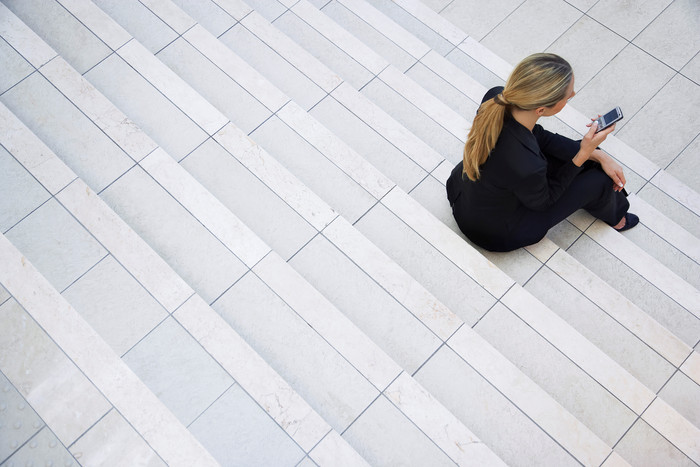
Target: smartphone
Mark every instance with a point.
(609, 118)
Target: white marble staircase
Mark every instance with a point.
(226, 240)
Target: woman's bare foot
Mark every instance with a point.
(621, 224)
(627, 222)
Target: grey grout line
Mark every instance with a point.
(614, 319)
(430, 357)
(321, 336)
(430, 438)
(330, 42)
(522, 2)
(379, 394)
(217, 398)
(575, 364)
(513, 404)
(82, 24)
(682, 150)
(107, 255)
(197, 219)
(640, 275)
(604, 66)
(110, 184)
(90, 427)
(227, 289)
(81, 372)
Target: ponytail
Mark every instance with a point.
(482, 138)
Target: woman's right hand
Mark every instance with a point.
(591, 141)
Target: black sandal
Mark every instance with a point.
(630, 221)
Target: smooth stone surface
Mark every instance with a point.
(637, 289)
(115, 305)
(140, 22)
(385, 436)
(50, 382)
(255, 204)
(185, 244)
(677, 24)
(682, 393)
(18, 420)
(369, 35)
(147, 107)
(668, 112)
(443, 90)
(4, 294)
(236, 103)
(582, 396)
(337, 391)
(627, 18)
(643, 445)
(362, 300)
(409, 22)
(15, 67)
(113, 441)
(414, 119)
(669, 256)
(54, 242)
(602, 330)
(474, 19)
(76, 140)
(212, 16)
(269, 9)
(62, 31)
(271, 65)
(602, 45)
(683, 166)
(546, 19)
(629, 81)
(178, 370)
(436, 273)
(474, 68)
(671, 208)
(236, 431)
(314, 170)
(43, 449)
(20, 193)
(367, 142)
(498, 423)
(324, 50)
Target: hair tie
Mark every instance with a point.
(500, 100)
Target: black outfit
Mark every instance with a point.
(528, 184)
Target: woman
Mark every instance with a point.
(517, 180)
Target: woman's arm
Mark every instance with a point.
(611, 167)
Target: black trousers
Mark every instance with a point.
(591, 190)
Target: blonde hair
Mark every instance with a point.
(540, 80)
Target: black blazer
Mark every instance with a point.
(525, 171)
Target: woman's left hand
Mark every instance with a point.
(612, 169)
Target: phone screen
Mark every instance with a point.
(610, 116)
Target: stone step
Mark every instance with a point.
(450, 77)
(149, 156)
(273, 272)
(76, 382)
(362, 181)
(266, 387)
